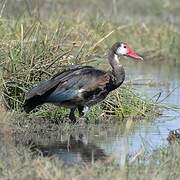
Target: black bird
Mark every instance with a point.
(82, 86)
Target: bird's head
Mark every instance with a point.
(122, 49)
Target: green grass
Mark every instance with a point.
(35, 50)
(36, 43)
(125, 103)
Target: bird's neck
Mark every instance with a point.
(117, 69)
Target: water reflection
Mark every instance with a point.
(75, 150)
(149, 135)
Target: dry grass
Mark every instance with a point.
(19, 162)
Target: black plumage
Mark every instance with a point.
(79, 87)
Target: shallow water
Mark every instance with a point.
(165, 79)
(113, 141)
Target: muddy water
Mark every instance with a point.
(113, 140)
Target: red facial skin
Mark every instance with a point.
(132, 54)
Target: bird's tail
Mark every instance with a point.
(32, 103)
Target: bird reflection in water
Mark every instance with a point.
(75, 150)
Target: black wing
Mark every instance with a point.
(69, 85)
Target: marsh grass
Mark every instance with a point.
(125, 103)
(34, 50)
(35, 46)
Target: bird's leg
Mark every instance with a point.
(80, 110)
(83, 110)
(72, 116)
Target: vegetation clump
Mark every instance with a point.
(34, 51)
(41, 38)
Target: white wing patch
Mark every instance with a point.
(81, 90)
